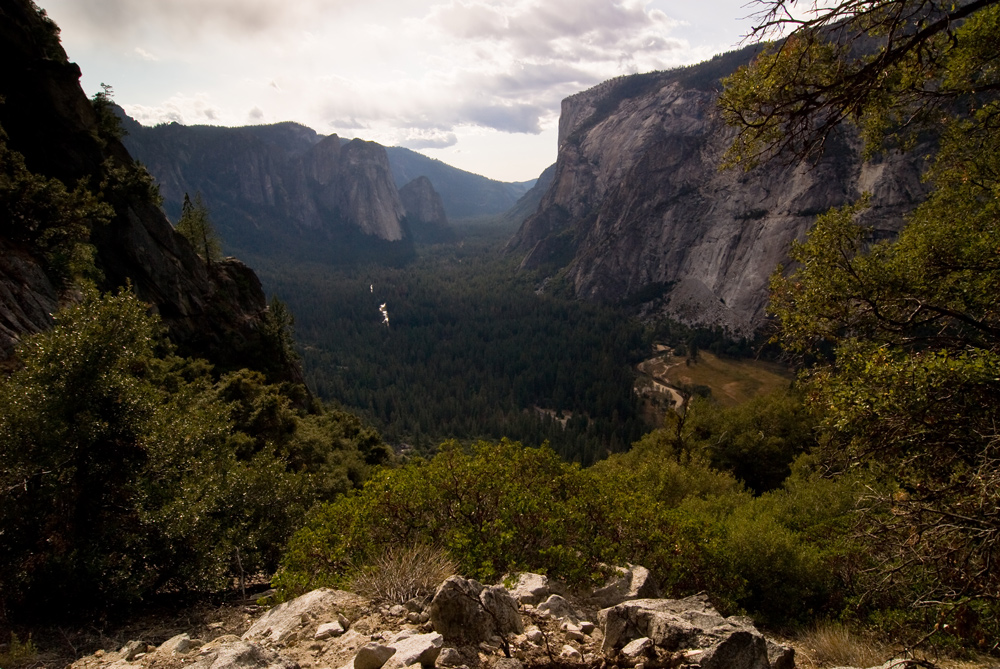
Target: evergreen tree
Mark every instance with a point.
(196, 226)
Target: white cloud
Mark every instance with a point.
(145, 55)
(427, 73)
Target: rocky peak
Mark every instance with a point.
(368, 194)
(278, 186)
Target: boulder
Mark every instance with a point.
(780, 657)
(242, 655)
(131, 649)
(373, 656)
(449, 657)
(691, 625)
(327, 630)
(465, 610)
(570, 654)
(530, 589)
(181, 643)
(632, 582)
(637, 648)
(559, 608)
(422, 649)
(739, 650)
(286, 621)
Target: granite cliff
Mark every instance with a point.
(283, 187)
(425, 213)
(639, 208)
(212, 311)
(278, 187)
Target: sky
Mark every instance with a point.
(477, 84)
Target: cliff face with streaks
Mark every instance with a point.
(425, 215)
(278, 187)
(638, 202)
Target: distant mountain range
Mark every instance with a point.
(283, 188)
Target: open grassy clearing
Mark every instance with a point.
(732, 382)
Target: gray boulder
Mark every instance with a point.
(632, 582)
(372, 656)
(530, 588)
(287, 621)
(422, 649)
(181, 643)
(739, 650)
(464, 609)
(558, 607)
(694, 626)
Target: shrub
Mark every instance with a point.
(835, 645)
(403, 572)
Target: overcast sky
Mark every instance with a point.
(475, 83)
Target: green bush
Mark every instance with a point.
(502, 508)
(127, 470)
(496, 508)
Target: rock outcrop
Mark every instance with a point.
(211, 311)
(638, 200)
(463, 609)
(649, 632)
(463, 194)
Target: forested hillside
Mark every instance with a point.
(470, 351)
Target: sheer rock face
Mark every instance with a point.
(274, 182)
(638, 199)
(210, 311)
(368, 195)
(425, 213)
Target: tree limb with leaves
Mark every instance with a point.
(906, 331)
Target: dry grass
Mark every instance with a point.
(833, 645)
(404, 572)
(732, 381)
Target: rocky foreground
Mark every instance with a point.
(466, 625)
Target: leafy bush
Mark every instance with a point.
(502, 508)
(127, 470)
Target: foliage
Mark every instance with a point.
(756, 441)
(50, 219)
(18, 653)
(196, 227)
(127, 470)
(472, 352)
(905, 331)
(499, 508)
(109, 126)
(891, 66)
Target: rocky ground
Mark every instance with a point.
(465, 625)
